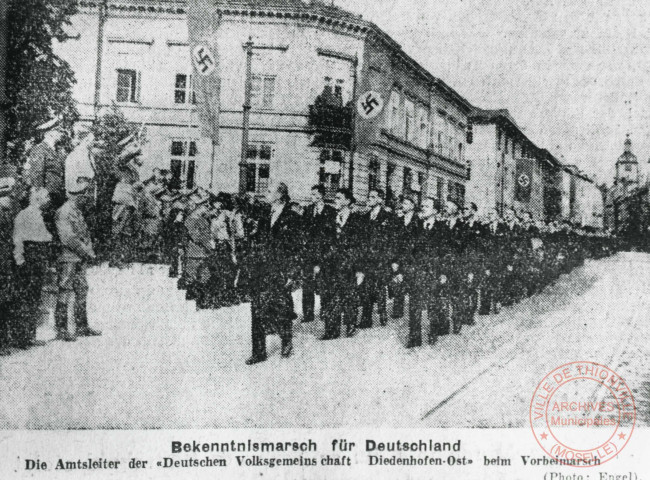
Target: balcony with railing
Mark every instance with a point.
(331, 121)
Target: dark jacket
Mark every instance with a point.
(275, 249)
(318, 234)
(346, 255)
(404, 241)
(380, 238)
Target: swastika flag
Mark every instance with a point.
(524, 178)
(203, 20)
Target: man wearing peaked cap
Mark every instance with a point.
(45, 167)
(199, 245)
(76, 252)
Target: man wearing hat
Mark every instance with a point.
(199, 245)
(45, 167)
(126, 199)
(151, 222)
(173, 230)
(76, 252)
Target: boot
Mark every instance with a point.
(287, 348)
(61, 317)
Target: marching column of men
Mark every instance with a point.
(430, 259)
(441, 261)
(448, 264)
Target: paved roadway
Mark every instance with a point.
(162, 364)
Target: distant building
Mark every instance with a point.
(311, 61)
(627, 202)
(584, 201)
(506, 167)
(627, 169)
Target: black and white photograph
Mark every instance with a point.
(327, 214)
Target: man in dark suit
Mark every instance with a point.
(381, 225)
(427, 284)
(272, 267)
(491, 248)
(407, 227)
(473, 261)
(319, 231)
(344, 268)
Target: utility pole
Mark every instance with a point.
(248, 47)
(4, 103)
(353, 121)
(103, 14)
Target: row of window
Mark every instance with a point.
(258, 171)
(415, 124)
(509, 145)
(129, 87)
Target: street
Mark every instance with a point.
(162, 364)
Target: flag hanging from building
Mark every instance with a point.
(203, 21)
(524, 176)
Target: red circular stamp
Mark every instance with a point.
(582, 414)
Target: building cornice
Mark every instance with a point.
(319, 15)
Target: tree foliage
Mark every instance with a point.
(39, 83)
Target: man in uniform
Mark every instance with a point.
(126, 199)
(45, 168)
(199, 246)
(76, 252)
(380, 224)
(319, 230)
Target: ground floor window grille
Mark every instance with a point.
(183, 164)
(258, 167)
(331, 167)
(390, 195)
(373, 175)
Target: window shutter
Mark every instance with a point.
(138, 86)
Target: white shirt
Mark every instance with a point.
(29, 227)
(342, 217)
(408, 217)
(374, 213)
(428, 224)
(318, 208)
(276, 211)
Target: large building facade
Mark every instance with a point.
(509, 170)
(310, 62)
